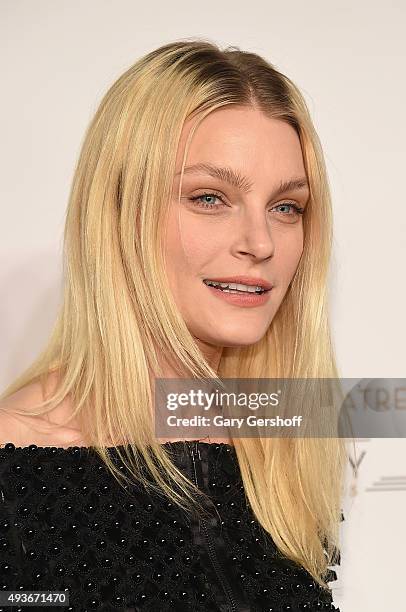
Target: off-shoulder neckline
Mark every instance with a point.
(70, 449)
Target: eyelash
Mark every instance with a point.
(298, 210)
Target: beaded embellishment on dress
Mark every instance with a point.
(66, 524)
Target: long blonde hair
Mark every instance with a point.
(118, 314)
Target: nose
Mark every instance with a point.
(255, 236)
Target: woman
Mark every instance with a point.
(95, 504)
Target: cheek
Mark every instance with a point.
(191, 243)
(200, 248)
(289, 251)
(189, 249)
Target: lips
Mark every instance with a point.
(237, 294)
(244, 280)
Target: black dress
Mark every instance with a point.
(67, 525)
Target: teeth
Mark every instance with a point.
(236, 286)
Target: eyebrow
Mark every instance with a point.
(235, 179)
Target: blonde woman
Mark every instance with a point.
(200, 166)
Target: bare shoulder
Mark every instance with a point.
(43, 430)
(15, 427)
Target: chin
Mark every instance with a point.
(238, 339)
(242, 342)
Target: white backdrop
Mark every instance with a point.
(348, 58)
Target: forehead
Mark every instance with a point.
(245, 139)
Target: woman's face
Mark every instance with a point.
(251, 229)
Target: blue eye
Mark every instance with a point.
(298, 210)
(207, 205)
